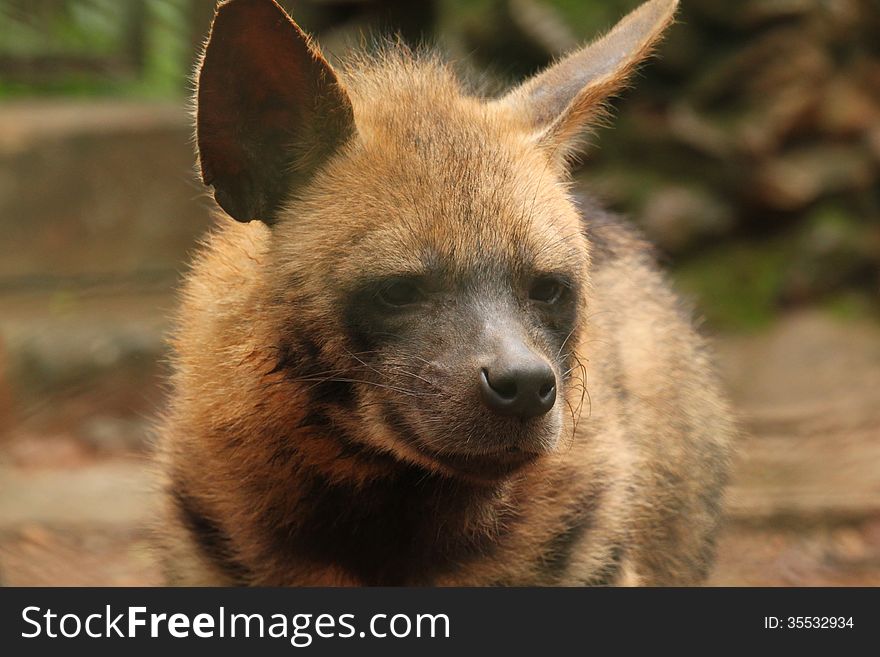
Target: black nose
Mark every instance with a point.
(523, 389)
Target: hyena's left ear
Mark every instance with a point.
(559, 103)
(270, 109)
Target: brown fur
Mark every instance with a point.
(282, 448)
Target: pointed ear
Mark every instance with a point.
(270, 109)
(557, 104)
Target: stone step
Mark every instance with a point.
(101, 493)
(96, 191)
(83, 363)
(808, 396)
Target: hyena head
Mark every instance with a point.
(428, 273)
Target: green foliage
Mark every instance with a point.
(100, 33)
(737, 284)
(168, 49)
(89, 25)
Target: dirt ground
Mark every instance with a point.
(804, 508)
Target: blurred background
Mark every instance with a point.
(749, 152)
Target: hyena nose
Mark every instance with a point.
(525, 389)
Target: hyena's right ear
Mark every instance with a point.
(270, 109)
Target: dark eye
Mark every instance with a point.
(547, 289)
(399, 293)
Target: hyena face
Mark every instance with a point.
(447, 271)
(428, 270)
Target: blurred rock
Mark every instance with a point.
(760, 66)
(27, 450)
(756, 13)
(102, 492)
(96, 190)
(677, 218)
(763, 129)
(53, 351)
(699, 132)
(848, 108)
(85, 365)
(873, 141)
(808, 390)
(108, 434)
(798, 178)
(836, 249)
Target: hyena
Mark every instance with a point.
(408, 354)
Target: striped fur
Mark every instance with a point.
(313, 439)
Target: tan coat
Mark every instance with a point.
(317, 437)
